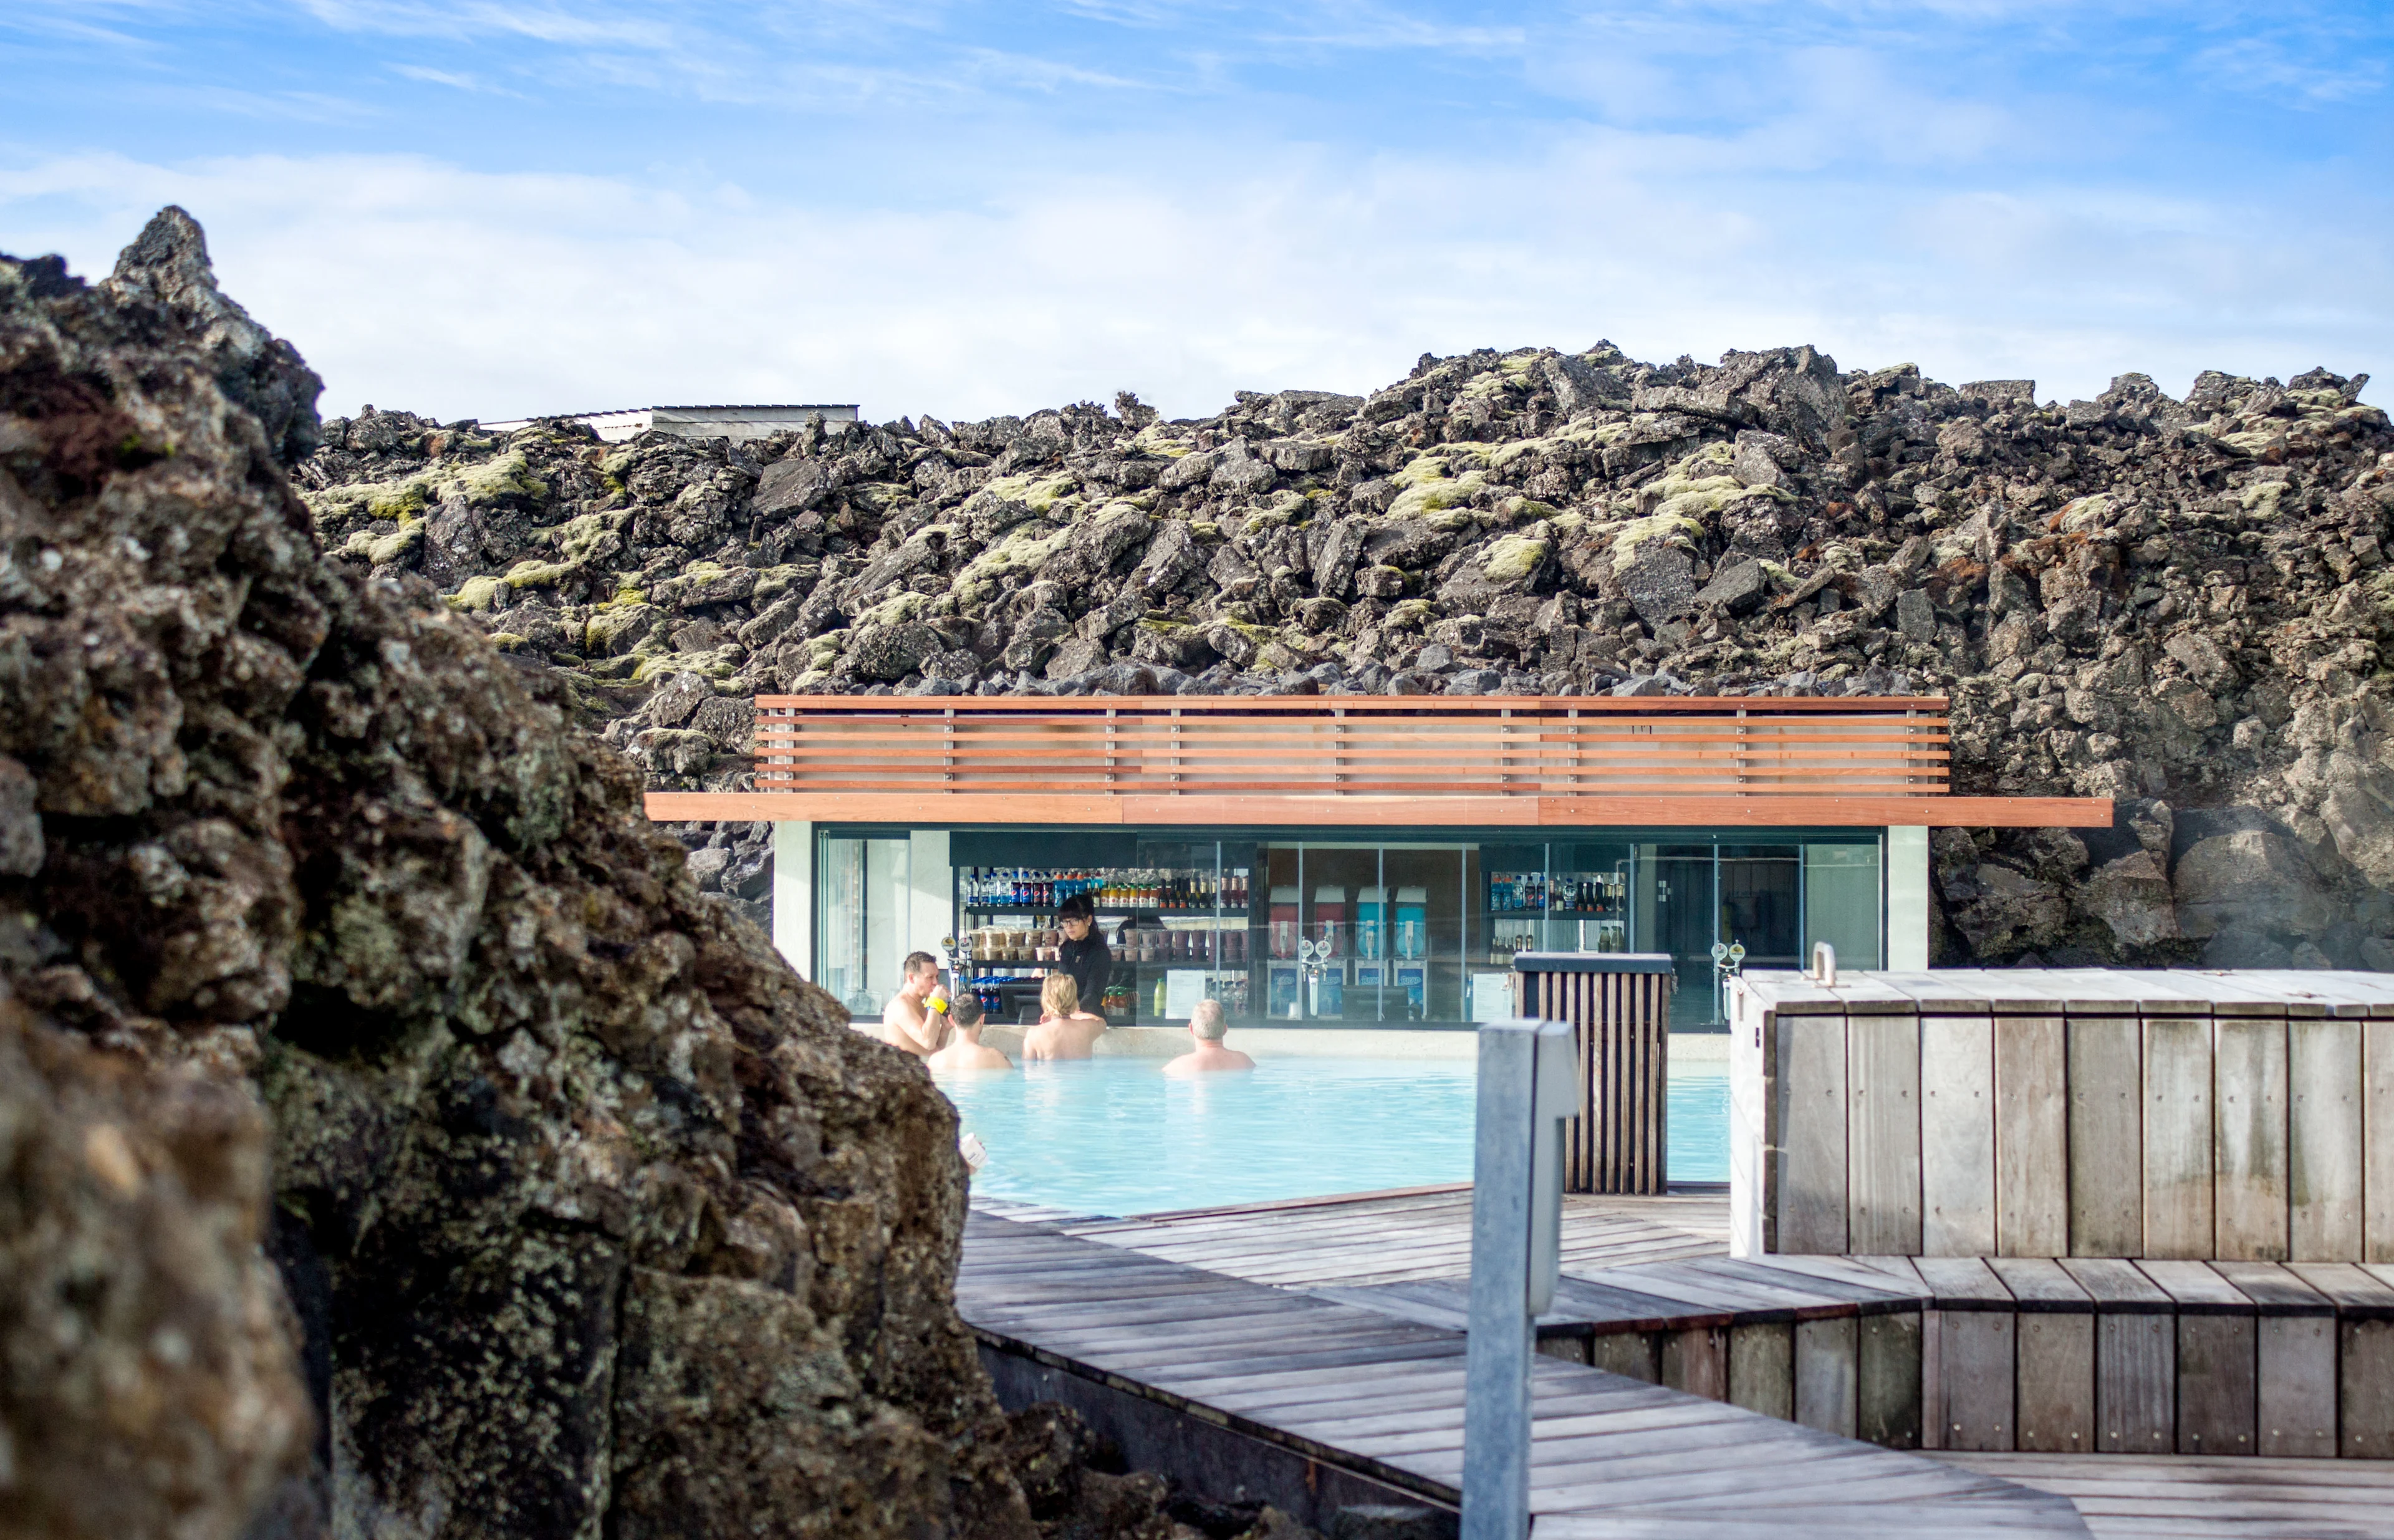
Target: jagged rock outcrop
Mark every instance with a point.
(592, 1218)
(150, 1386)
(2177, 603)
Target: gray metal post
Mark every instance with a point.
(1527, 1079)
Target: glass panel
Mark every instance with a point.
(1175, 947)
(1678, 886)
(1761, 901)
(1590, 907)
(1515, 901)
(1176, 910)
(862, 911)
(1399, 932)
(1334, 883)
(1841, 902)
(1276, 925)
(1431, 894)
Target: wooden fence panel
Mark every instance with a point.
(2377, 1149)
(2141, 1120)
(2177, 1137)
(2249, 1206)
(2323, 1140)
(1883, 1133)
(2031, 1136)
(1957, 1136)
(2106, 1144)
(1813, 1208)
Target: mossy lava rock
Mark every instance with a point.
(592, 1217)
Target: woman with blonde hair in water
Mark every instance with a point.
(1065, 1031)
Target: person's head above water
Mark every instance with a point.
(1206, 1021)
(965, 1013)
(1060, 996)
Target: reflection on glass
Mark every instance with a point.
(861, 920)
(1344, 933)
(1841, 902)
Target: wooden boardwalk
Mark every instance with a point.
(1392, 1238)
(1348, 1358)
(1380, 1397)
(2208, 1497)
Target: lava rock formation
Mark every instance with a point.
(321, 925)
(2175, 604)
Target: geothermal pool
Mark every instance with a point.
(1115, 1136)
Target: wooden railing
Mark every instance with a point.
(1353, 747)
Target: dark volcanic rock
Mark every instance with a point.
(596, 1219)
(2178, 602)
(151, 1385)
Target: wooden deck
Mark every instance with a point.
(2207, 1496)
(1324, 1333)
(1379, 1399)
(1398, 1237)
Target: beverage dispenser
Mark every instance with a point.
(1410, 945)
(1413, 923)
(1371, 924)
(1330, 922)
(1284, 976)
(1283, 922)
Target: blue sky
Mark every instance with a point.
(468, 208)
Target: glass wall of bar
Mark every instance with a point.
(1291, 930)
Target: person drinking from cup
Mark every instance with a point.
(915, 1019)
(964, 1050)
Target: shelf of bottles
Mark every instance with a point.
(1557, 911)
(1157, 920)
(994, 890)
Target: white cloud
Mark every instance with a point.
(456, 79)
(412, 283)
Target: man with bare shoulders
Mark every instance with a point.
(1065, 1031)
(908, 1022)
(1207, 1026)
(965, 1050)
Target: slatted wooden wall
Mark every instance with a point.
(1363, 745)
(2244, 1127)
(1622, 1022)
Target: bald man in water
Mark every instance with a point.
(1206, 1024)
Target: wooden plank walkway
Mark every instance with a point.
(2206, 1496)
(1398, 1237)
(1362, 1391)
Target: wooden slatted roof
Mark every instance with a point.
(1349, 759)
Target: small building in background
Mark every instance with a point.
(694, 422)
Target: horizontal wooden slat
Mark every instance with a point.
(1331, 811)
(1363, 761)
(1347, 747)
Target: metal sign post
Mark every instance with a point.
(1527, 1078)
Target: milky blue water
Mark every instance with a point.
(1115, 1136)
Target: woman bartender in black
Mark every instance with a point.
(1085, 955)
